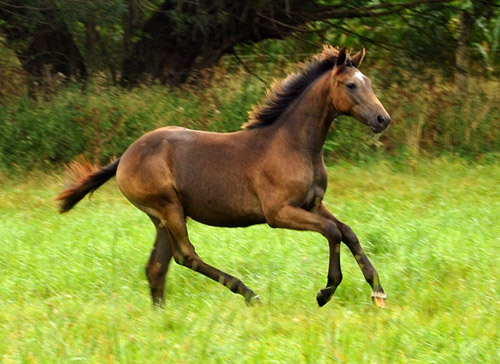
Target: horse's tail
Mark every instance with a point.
(87, 178)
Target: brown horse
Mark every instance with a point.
(270, 172)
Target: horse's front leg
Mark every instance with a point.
(352, 242)
(292, 217)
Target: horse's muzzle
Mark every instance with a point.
(381, 123)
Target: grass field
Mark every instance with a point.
(73, 289)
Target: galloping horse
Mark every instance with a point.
(270, 172)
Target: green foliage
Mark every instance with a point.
(12, 82)
(101, 122)
(430, 119)
(32, 136)
(73, 286)
(421, 36)
(488, 44)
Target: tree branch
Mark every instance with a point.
(248, 69)
(374, 10)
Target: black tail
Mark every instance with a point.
(88, 178)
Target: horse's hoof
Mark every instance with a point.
(378, 299)
(253, 301)
(158, 303)
(324, 295)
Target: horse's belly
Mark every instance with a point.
(230, 221)
(222, 214)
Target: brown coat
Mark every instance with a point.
(271, 172)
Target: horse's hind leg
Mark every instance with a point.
(157, 266)
(184, 253)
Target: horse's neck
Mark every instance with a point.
(307, 121)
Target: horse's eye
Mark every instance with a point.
(351, 85)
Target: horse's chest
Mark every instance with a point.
(313, 191)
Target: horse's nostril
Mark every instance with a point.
(381, 120)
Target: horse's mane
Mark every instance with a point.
(283, 93)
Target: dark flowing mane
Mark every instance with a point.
(283, 93)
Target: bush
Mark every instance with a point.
(430, 119)
(101, 122)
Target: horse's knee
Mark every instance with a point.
(348, 236)
(333, 233)
(155, 270)
(179, 258)
(189, 260)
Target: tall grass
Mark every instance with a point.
(431, 119)
(101, 121)
(73, 288)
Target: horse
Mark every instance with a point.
(271, 171)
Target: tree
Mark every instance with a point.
(471, 13)
(41, 41)
(183, 37)
(172, 40)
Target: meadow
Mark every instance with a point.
(73, 288)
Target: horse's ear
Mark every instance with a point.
(358, 58)
(341, 57)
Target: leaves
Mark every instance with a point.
(112, 34)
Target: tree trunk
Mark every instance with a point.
(46, 47)
(182, 38)
(462, 59)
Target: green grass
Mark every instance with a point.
(73, 289)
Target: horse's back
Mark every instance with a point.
(209, 174)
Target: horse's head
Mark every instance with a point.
(352, 93)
